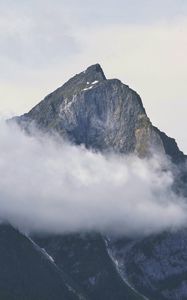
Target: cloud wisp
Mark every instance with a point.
(48, 185)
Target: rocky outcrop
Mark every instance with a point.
(29, 273)
(102, 114)
(156, 265)
(107, 115)
(84, 257)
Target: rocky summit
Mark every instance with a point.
(105, 115)
(100, 113)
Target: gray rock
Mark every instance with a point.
(156, 265)
(102, 114)
(107, 115)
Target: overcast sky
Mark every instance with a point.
(143, 43)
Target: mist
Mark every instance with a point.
(48, 185)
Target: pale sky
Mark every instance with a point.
(141, 42)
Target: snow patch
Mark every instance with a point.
(89, 88)
(94, 82)
(41, 250)
(47, 255)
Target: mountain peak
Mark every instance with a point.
(92, 75)
(101, 114)
(96, 71)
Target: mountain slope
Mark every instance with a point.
(107, 115)
(102, 114)
(84, 258)
(27, 273)
(156, 265)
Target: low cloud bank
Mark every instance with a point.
(48, 185)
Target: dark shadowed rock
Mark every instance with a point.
(28, 273)
(84, 257)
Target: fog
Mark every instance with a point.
(48, 185)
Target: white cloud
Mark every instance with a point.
(48, 185)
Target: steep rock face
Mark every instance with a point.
(102, 114)
(85, 259)
(28, 273)
(107, 115)
(156, 265)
